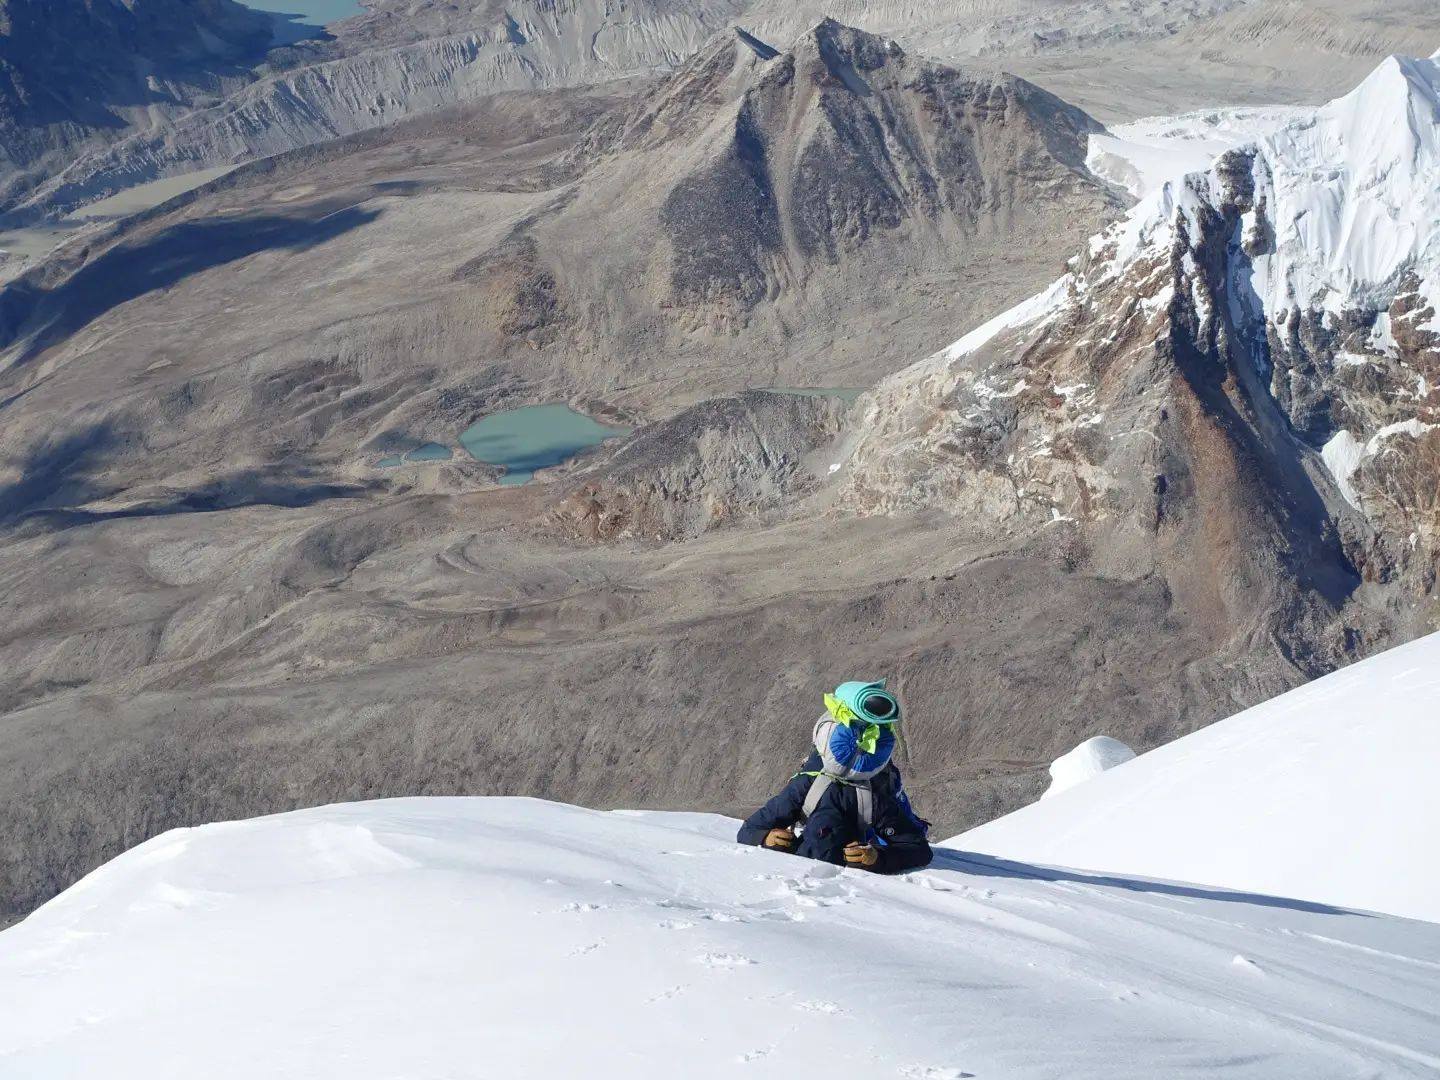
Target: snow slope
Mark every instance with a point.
(457, 938)
(1351, 191)
(1142, 155)
(1085, 762)
(1328, 793)
(1356, 189)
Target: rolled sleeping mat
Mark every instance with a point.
(870, 701)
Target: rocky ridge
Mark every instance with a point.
(1232, 387)
(753, 184)
(405, 57)
(73, 72)
(378, 69)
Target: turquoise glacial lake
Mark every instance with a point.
(311, 12)
(431, 451)
(535, 437)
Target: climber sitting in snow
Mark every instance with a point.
(846, 800)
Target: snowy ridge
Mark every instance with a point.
(1343, 229)
(470, 938)
(1357, 195)
(1327, 793)
(1142, 155)
(1352, 190)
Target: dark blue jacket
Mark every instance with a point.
(898, 833)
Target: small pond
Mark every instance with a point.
(34, 241)
(293, 21)
(534, 437)
(37, 241)
(430, 451)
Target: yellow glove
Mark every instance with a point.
(780, 839)
(864, 856)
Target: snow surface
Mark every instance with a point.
(1356, 193)
(1329, 793)
(461, 938)
(1086, 761)
(1352, 189)
(1142, 155)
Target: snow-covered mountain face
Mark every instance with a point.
(1248, 362)
(472, 938)
(1325, 793)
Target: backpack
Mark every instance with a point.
(844, 760)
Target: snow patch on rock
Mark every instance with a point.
(1344, 454)
(1143, 155)
(1088, 760)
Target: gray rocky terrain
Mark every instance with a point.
(204, 390)
(783, 219)
(74, 74)
(1118, 59)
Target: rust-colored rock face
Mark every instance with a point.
(1276, 463)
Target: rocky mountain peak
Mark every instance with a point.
(846, 48)
(797, 159)
(1246, 366)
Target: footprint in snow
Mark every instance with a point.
(782, 916)
(675, 924)
(752, 1055)
(583, 949)
(828, 1008)
(813, 892)
(932, 1072)
(929, 881)
(573, 906)
(665, 995)
(724, 960)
